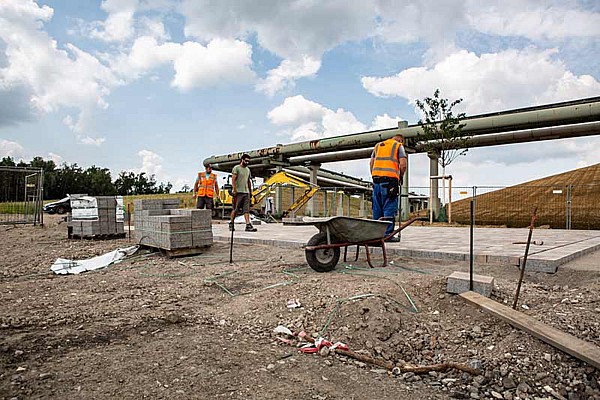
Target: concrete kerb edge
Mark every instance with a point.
(533, 264)
(267, 242)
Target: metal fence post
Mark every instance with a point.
(474, 202)
(568, 215)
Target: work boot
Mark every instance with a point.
(250, 228)
(231, 227)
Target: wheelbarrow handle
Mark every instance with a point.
(404, 225)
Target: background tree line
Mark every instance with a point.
(95, 181)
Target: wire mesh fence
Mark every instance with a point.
(21, 192)
(326, 202)
(558, 206)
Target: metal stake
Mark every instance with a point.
(533, 218)
(232, 227)
(471, 246)
(128, 222)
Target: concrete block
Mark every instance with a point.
(458, 282)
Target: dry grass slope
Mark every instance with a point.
(512, 206)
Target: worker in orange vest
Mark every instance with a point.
(388, 164)
(205, 188)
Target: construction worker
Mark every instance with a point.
(388, 164)
(205, 188)
(242, 190)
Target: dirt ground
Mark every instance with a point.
(199, 327)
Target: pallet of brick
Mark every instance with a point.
(174, 231)
(95, 217)
(160, 223)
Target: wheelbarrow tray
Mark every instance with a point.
(350, 230)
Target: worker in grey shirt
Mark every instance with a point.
(242, 190)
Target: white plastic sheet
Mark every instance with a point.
(84, 208)
(62, 266)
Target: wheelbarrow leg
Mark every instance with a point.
(382, 251)
(355, 256)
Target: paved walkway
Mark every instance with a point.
(490, 244)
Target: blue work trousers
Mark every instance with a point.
(384, 206)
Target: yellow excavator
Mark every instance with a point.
(284, 179)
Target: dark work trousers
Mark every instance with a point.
(204, 202)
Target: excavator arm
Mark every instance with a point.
(278, 179)
(283, 178)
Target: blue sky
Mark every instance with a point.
(159, 85)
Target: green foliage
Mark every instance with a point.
(95, 181)
(7, 162)
(128, 183)
(442, 131)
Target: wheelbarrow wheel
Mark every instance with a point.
(322, 260)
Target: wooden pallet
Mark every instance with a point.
(183, 252)
(98, 237)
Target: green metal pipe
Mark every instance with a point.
(586, 110)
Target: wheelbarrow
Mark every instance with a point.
(323, 249)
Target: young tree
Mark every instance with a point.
(443, 137)
(443, 134)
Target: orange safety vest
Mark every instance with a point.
(386, 161)
(206, 186)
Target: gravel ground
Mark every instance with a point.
(199, 327)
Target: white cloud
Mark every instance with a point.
(534, 20)
(10, 149)
(151, 163)
(90, 141)
(296, 110)
(288, 29)
(55, 78)
(299, 32)
(434, 22)
(55, 157)
(221, 61)
(341, 122)
(583, 149)
(307, 120)
(287, 72)
(384, 122)
(17, 151)
(118, 25)
(153, 27)
(490, 82)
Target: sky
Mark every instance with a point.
(157, 86)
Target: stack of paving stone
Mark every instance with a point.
(160, 223)
(104, 224)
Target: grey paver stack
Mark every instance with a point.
(161, 223)
(105, 224)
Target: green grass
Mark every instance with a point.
(16, 207)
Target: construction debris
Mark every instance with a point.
(63, 266)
